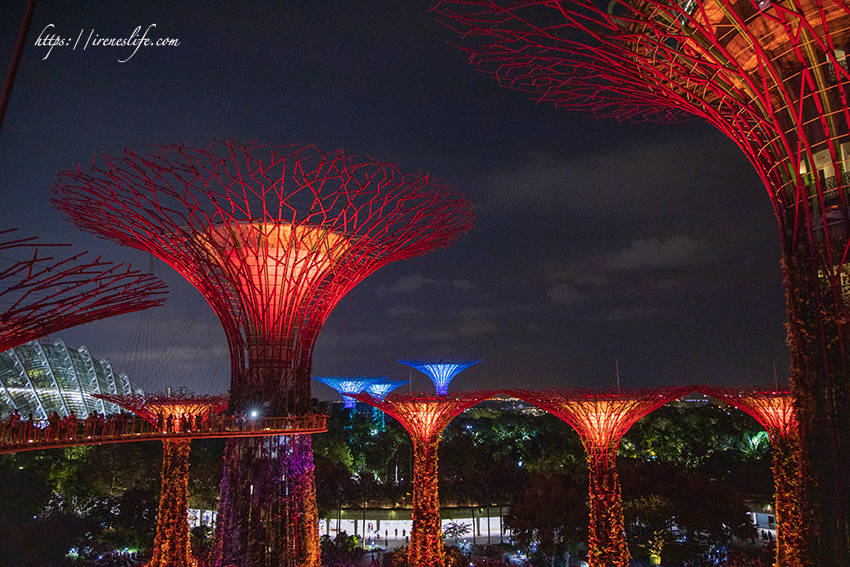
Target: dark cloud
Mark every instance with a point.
(415, 282)
(594, 240)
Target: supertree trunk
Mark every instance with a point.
(774, 410)
(607, 545)
(426, 544)
(302, 471)
(171, 546)
(818, 338)
(249, 530)
(425, 416)
(268, 513)
(790, 540)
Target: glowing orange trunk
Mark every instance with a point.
(171, 546)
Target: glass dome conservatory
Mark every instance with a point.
(40, 378)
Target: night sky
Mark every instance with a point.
(597, 244)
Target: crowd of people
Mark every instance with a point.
(17, 430)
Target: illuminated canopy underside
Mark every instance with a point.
(276, 268)
(773, 409)
(441, 371)
(350, 385)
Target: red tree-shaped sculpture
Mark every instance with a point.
(601, 418)
(425, 416)
(774, 410)
(772, 75)
(172, 412)
(273, 243)
(44, 295)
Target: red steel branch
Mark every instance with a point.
(774, 410)
(171, 546)
(425, 416)
(273, 237)
(601, 418)
(272, 243)
(773, 76)
(44, 295)
(156, 407)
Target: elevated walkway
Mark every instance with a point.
(38, 435)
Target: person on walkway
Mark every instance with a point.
(71, 426)
(88, 427)
(28, 428)
(15, 426)
(53, 426)
(101, 424)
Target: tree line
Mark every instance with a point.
(688, 475)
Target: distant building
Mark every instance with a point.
(40, 378)
(692, 400)
(508, 403)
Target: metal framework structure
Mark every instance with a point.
(601, 418)
(39, 378)
(425, 416)
(770, 74)
(172, 412)
(441, 371)
(774, 410)
(45, 295)
(273, 238)
(380, 389)
(349, 384)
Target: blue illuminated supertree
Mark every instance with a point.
(441, 370)
(379, 391)
(349, 385)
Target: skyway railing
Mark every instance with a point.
(39, 434)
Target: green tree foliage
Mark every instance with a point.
(455, 531)
(549, 515)
(342, 551)
(206, 468)
(88, 499)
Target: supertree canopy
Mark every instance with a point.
(380, 389)
(774, 410)
(273, 238)
(425, 416)
(43, 295)
(441, 371)
(172, 412)
(771, 75)
(349, 384)
(601, 418)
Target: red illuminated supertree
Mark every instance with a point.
(425, 416)
(44, 295)
(601, 418)
(273, 244)
(774, 410)
(772, 75)
(172, 412)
